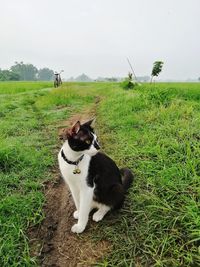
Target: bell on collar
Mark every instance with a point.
(76, 171)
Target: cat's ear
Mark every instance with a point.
(67, 133)
(76, 128)
(90, 122)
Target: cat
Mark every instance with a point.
(93, 178)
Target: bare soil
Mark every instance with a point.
(52, 242)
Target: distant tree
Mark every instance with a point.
(45, 74)
(13, 76)
(157, 68)
(27, 72)
(83, 78)
(143, 78)
(112, 79)
(7, 75)
(4, 75)
(199, 79)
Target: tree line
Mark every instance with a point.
(26, 72)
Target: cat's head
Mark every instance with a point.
(81, 137)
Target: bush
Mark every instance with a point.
(128, 84)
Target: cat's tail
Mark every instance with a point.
(127, 178)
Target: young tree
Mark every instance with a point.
(157, 68)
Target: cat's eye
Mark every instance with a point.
(88, 142)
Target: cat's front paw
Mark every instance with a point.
(76, 228)
(75, 215)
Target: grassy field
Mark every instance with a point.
(28, 137)
(19, 87)
(154, 130)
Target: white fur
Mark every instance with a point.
(82, 194)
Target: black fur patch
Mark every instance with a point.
(105, 175)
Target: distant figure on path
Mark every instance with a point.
(57, 79)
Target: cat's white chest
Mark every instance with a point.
(67, 170)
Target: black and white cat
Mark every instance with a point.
(94, 179)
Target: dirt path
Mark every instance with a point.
(52, 242)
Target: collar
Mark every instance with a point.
(69, 161)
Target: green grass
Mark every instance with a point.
(18, 87)
(153, 129)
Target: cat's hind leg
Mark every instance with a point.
(100, 213)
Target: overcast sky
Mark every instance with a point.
(96, 36)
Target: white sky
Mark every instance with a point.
(96, 36)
